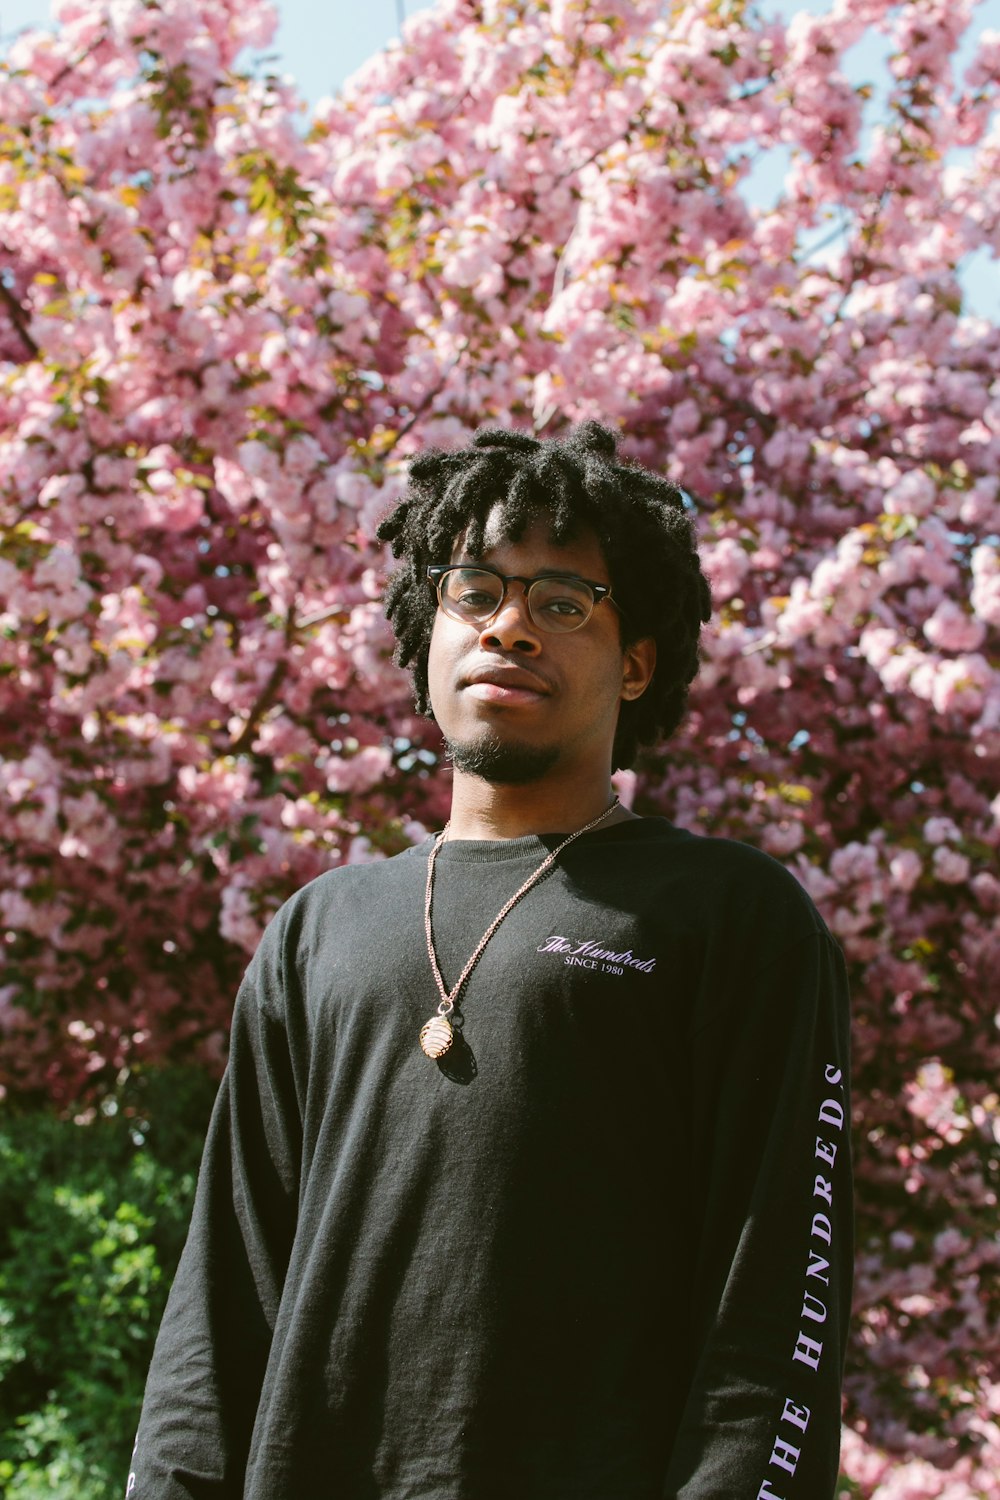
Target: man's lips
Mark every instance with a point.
(494, 683)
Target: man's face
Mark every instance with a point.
(515, 702)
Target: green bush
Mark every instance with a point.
(92, 1221)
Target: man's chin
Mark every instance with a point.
(503, 762)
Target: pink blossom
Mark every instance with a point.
(726, 565)
(364, 769)
(985, 595)
(855, 861)
(940, 830)
(624, 783)
(784, 838)
(906, 868)
(951, 629)
(361, 851)
(986, 889)
(949, 866)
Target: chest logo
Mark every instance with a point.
(591, 955)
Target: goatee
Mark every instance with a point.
(504, 762)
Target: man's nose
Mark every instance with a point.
(512, 628)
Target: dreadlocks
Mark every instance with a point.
(576, 481)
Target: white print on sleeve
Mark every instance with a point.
(808, 1351)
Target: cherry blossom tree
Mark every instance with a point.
(224, 326)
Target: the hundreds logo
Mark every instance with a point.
(590, 953)
(808, 1349)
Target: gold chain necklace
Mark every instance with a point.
(437, 1034)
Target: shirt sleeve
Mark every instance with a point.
(204, 1383)
(773, 1243)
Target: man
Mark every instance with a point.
(529, 1176)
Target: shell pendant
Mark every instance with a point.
(436, 1036)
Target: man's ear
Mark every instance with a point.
(638, 666)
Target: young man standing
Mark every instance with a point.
(529, 1176)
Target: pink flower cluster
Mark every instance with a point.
(223, 331)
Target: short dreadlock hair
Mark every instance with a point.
(575, 481)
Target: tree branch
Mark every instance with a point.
(432, 395)
(74, 63)
(269, 693)
(18, 319)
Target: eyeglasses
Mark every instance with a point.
(556, 603)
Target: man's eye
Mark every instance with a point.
(564, 605)
(475, 599)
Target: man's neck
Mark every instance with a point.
(490, 810)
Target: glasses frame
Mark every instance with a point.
(601, 592)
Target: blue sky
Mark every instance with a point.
(322, 45)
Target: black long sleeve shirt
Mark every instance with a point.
(599, 1251)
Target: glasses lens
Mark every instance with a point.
(560, 604)
(554, 604)
(468, 594)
